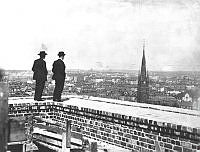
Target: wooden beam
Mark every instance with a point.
(3, 116)
(68, 133)
(93, 146)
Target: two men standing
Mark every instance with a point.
(40, 75)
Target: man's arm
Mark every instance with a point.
(46, 71)
(54, 68)
(34, 67)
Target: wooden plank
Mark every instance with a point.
(93, 146)
(68, 133)
(3, 116)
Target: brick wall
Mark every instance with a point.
(136, 134)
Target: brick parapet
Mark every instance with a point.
(136, 134)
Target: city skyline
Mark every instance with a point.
(102, 34)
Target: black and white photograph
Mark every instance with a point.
(100, 76)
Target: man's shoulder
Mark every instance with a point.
(39, 60)
(58, 61)
(36, 61)
(55, 61)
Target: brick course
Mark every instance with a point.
(136, 134)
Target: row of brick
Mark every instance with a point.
(106, 129)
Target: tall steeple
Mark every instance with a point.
(143, 81)
(143, 67)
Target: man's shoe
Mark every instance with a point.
(40, 99)
(35, 99)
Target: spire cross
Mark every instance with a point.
(144, 45)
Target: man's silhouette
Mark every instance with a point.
(40, 75)
(59, 76)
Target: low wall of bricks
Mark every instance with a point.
(136, 134)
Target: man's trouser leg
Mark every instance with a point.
(58, 89)
(39, 89)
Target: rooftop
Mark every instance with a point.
(178, 116)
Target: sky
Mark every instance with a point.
(101, 34)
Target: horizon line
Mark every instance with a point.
(110, 70)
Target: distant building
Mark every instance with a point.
(143, 82)
(164, 101)
(98, 80)
(189, 99)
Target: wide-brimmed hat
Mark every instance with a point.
(61, 53)
(42, 53)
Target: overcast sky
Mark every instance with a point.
(101, 34)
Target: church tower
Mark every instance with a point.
(143, 82)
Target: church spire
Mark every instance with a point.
(143, 67)
(143, 81)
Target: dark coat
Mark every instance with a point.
(58, 70)
(40, 70)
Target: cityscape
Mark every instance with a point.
(100, 76)
(174, 88)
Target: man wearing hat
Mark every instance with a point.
(40, 75)
(59, 76)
